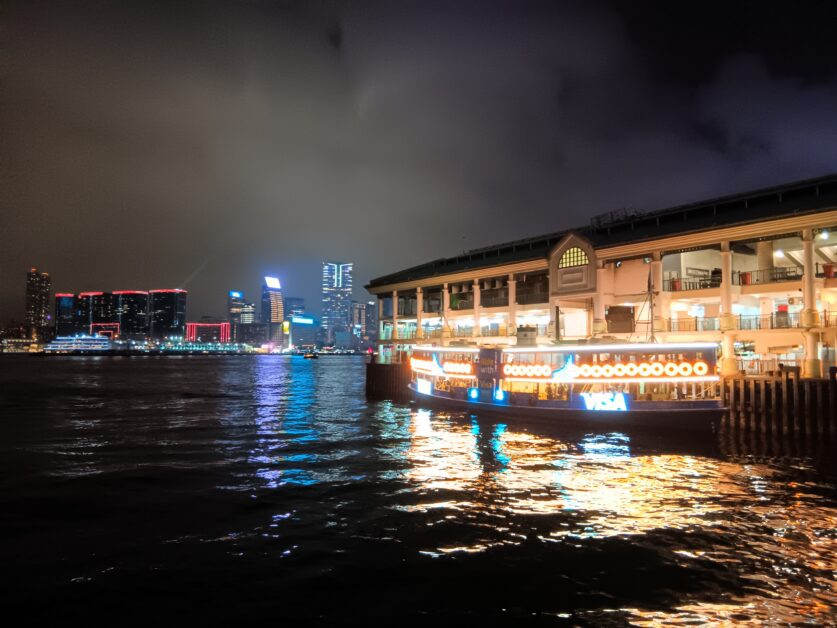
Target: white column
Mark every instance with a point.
(380, 318)
(727, 318)
(476, 307)
(394, 314)
(811, 367)
(554, 325)
(658, 322)
(512, 326)
(729, 366)
(419, 311)
(764, 254)
(599, 322)
(445, 312)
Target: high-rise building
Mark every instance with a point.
(359, 322)
(65, 314)
(240, 313)
(37, 319)
(302, 331)
(294, 306)
(132, 313)
(83, 311)
(337, 297)
(89, 310)
(104, 308)
(237, 308)
(168, 313)
(273, 309)
(372, 321)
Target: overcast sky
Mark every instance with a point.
(157, 144)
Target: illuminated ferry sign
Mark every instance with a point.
(627, 372)
(607, 401)
(464, 370)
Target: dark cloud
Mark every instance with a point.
(145, 144)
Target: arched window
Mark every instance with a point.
(573, 257)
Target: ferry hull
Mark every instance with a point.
(659, 415)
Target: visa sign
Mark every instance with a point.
(605, 401)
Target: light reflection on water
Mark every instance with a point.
(281, 459)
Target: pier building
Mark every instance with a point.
(753, 272)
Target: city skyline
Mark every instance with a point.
(531, 118)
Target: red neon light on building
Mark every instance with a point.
(90, 294)
(105, 329)
(129, 292)
(223, 331)
(169, 290)
(58, 295)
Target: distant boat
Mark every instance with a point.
(311, 356)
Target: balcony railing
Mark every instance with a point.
(776, 320)
(766, 275)
(432, 306)
(692, 283)
(534, 296)
(408, 309)
(462, 304)
(494, 298)
(493, 330)
(695, 323)
(431, 333)
(462, 332)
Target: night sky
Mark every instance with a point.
(157, 144)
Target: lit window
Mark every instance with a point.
(573, 257)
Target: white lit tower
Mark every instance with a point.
(337, 298)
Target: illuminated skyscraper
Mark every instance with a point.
(132, 313)
(294, 306)
(337, 297)
(168, 313)
(239, 310)
(273, 309)
(38, 287)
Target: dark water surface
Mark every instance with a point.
(221, 489)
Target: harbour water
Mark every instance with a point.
(222, 489)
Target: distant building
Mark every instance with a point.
(65, 314)
(83, 312)
(168, 313)
(294, 306)
(359, 322)
(255, 334)
(208, 332)
(337, 298)
(37, 319)
(131, 312)
(103, 309)
(303, 331)
(273, 309)
(239, 310)
(372, 321)
(90, 307)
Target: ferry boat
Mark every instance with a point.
(660, 385)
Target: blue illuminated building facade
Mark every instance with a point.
(336, 297)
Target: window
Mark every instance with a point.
(573, 257)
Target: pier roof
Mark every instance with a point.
(765, 204)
